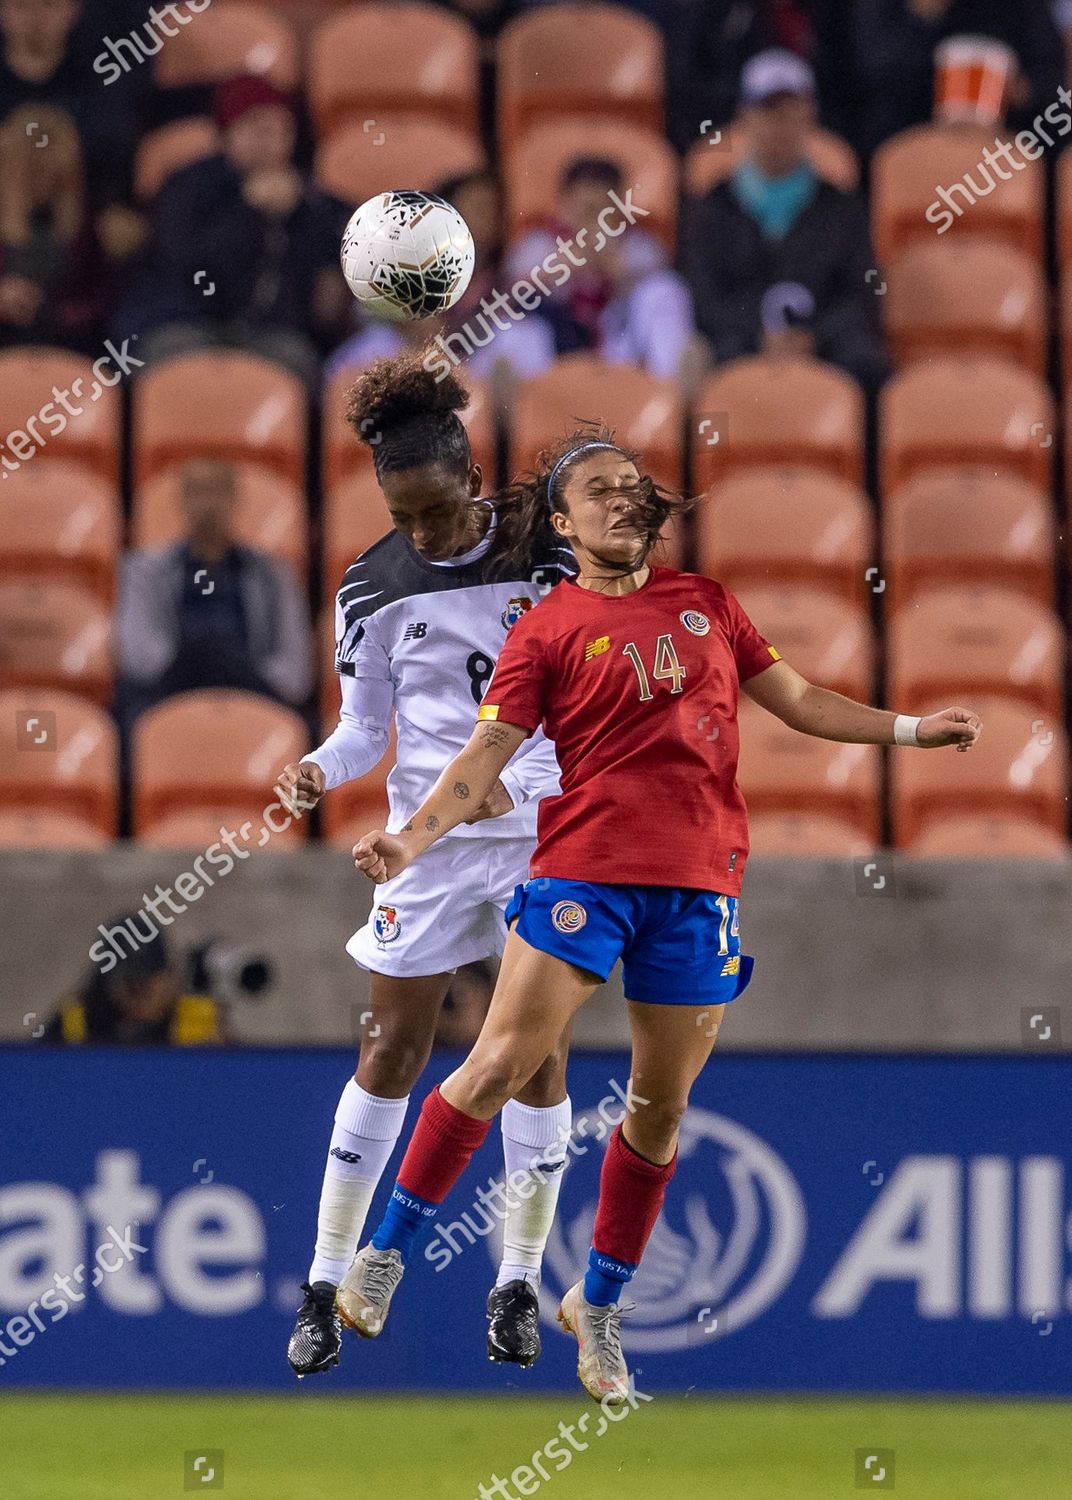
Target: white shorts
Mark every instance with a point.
(444, 910)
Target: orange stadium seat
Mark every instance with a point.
(826, 638)
(199, 827)
(270, 514)
(358, 806)
(965, 411)
(58, 753)
(964, 639)
(710, 161)
(170, 147)
(343, 454)
(355, 516)
(225, 40)
(762, 410)
(806, 834)
(536, 161)
(330, 690)
(84, 426)
(61, 520)
(967, 525)
(39, 828)
(1016, 768)
(209, 750)
(356, 164)
(782, 771)
(56, 635)
(966, 294)
(382, 59)
(645, 412)
(990, 836)
(219, 405)
(906, 204)
(786, 525)
(578, 59)
(1063, 208)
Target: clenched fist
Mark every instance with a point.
(300, 786)
(381, 856)
(953, 726)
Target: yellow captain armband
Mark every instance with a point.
(487, 711)
(776, 655)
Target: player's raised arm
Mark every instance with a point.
(465, 784)
(830, 716)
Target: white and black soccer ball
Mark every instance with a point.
(407, 255)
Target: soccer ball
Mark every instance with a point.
(407, 255)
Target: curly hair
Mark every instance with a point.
(407, 417)
(525, 507)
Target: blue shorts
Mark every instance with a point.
(678, 947)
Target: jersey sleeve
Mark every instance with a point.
(752, 653)
(516, 693)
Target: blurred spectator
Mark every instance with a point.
(54, 280)
(136, 1000)
(777, 258)
(208, 612)
(246, 249)
(876, 59)
(620, 297)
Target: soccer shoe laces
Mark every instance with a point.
(383, 1271)
(606, 1325)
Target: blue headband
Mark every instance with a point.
(573, 452)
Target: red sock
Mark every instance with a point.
(440, 1149)
(631, 1193)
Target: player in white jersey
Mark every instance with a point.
(420, 619)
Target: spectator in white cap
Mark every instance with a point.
(777, 258)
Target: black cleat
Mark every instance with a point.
(513, 1324)
(317, 1337)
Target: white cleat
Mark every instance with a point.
(364, 1296)
(600, 1361)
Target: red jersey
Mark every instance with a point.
(639, 694)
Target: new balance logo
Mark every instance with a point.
(353, 1157)
(416, 632)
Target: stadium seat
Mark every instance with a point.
(762, 410)
(355, 164)
(645, 412)
(357, 806)
(270, 514)
(61, 520)
(962, 640)
(575, 60)
(806, 834)
(381, 59)
(211, 749)
(330, 690)
(535, 163)
(219, 405)
(39, 828)
(786, 525)
(170, 147)
(344, 454)
(55, 634)
(967, 294)
(1063, 210)
(59, 754)
(967, 525)
(84, 426)
(988, 837)
(965, 411)
(225, 40)
(355, 515)
(825, 637)
(782, 771)
(720, 153)
(199, 827)
(905, 202)
(1016, 768)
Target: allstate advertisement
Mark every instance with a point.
(836, 1223)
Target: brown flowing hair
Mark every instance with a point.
(34, 176)
(524, 508)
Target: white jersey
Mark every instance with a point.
(419, 640)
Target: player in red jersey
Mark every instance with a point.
(639, 858)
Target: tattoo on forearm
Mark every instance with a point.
(461, 791)
(495, 735)
(431, 823)
(409, 827)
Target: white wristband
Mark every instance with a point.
(906, 730)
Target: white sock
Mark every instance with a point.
(532, 1136)
(366, 1128)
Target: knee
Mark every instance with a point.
(495, 1074)
(389, 1066)
(547, 1086)
(654, 1126)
